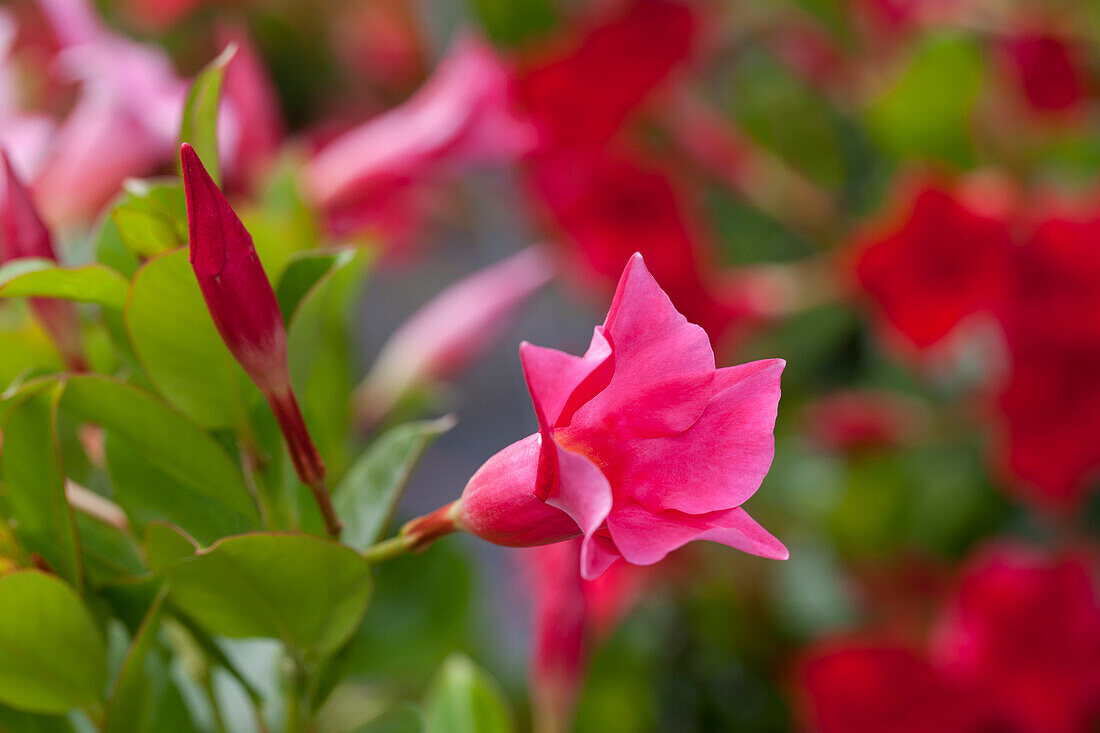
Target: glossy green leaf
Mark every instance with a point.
(927, 113)
(52, 657)
(163, 465)
(134, 697)
(33, 277)
(308, 591)
(200, 113)
(108, 554)
(366, 498)
(151, 216)
(463, 698)
(34, 483)
(303, 272)
(177, 344)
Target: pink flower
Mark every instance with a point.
(22, 235)
(1047, 68)
(125, 121)
(643, 445)
(463, 115)
(246, 314)
(451, 330)
(252, 101)
(571, 615)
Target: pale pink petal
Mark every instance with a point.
(720, 461)
(664, 366)
(644, 537)
(597, 555)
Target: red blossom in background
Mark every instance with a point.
(946, 256)
(609, 205)
(24, 235)
(584, 88)
(1018, 649)
(643, 445)
(854, 421)
(1048, 70)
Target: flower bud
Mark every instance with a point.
(23, 234)
(246, 314)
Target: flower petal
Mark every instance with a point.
(664, 366)
(720, 461)
(644, 537)
(582, 492)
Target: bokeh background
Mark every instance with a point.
(898, 197)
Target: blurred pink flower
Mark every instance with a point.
(1017, 648)
(854, 421)
(23, 235)
(24, 136)
(571, 615)
(463, 115)
(243, 307)
(125, 121)
(451, 330)
(642, 446)
(252, 102)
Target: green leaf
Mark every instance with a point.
(109, 555)
(927, 113)
(511, 22)
(463, 698)
(200, 113)
(16, 721)
(404, 719)
(366, 498)
(41, 278)
(150, 217)
(163, 465)
(308, 591)
(178, 345)
(165, 544)
(52, 657)
(132, 704)
(34, 483)
(305, 271)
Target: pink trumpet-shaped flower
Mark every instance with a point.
(643, 445)
(253, 103)
(23, 235)
(246, 314)
(462, 115)
(452, 329)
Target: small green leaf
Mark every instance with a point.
(52, 657)
(163, 465)
(109, 555)
(34, 483)
(200, 113)
(41, 278)
(303, 272)
(372, 487)
(463, 698)
(308, 591)
(150, 217)
(177, 344)
(133, 700)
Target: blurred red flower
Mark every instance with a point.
(946, 257)
(1018, 649)
(1047, 68)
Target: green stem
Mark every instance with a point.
(386, 549)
